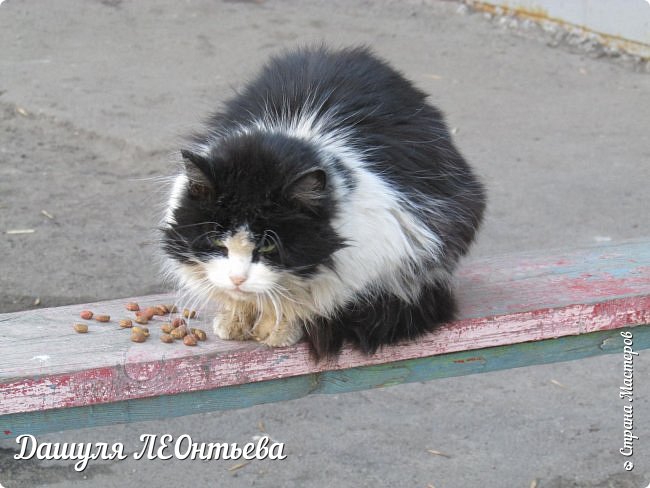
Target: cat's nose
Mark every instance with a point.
(237, 280)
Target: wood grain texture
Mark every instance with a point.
(505, 300)
(337, 381)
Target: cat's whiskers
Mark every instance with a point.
(277, 305)
(216, 224)
(180, 237)
(282, 292)
(196, 292)
(203, 297)
(187, 294)
(259, 304)
(201, 236)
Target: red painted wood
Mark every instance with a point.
(44, 364)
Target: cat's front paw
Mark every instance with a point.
(230, 328)
(276, 339)
(278, 335)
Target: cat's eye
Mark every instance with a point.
(217, 242)
(266, 248)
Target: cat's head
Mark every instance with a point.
(248, 216)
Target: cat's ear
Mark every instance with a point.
(196, 169)
(307, 188)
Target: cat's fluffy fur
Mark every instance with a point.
(325, 199)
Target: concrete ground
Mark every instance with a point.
(93, 97)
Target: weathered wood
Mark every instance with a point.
(506, 300)
(360, 378)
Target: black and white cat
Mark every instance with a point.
(326, 199)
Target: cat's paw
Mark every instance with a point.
(280, 335)
(276, 339)
(230, 330)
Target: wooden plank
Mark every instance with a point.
(359, 378)
(504, 300)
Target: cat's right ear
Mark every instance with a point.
(307, 188)
(196, 168)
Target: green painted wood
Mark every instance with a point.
(353, 379)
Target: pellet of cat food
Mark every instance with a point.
(158, 310)
(137, 335)
(166, 338)
(86, 314)
(80, 328)
(200, 334)
(177, 322)
(141, 319)
(172, 308)
(189, 340)
(102, 318)
(167, 327)
(149, 312)
(189, 314)
(143, 330)
(132, 307)
(162, 308)
(126, 323)
(179, 332)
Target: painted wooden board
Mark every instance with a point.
(336, 381)
(505, 300)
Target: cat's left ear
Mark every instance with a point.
(308, 187)
(194, 161)
(196, 169)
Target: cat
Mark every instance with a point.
(327, 200)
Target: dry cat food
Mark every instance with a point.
(149, 312)
(160, 310)
(179, 332)
(189, 314)
(126, 323)
(143, 330)
(138, 335)
(141, 319)
(200, 334)
(177, 322)
(80, 328)
(86, 314)
(176, 329)
(142, 314)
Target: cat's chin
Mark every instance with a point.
(239, 295)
